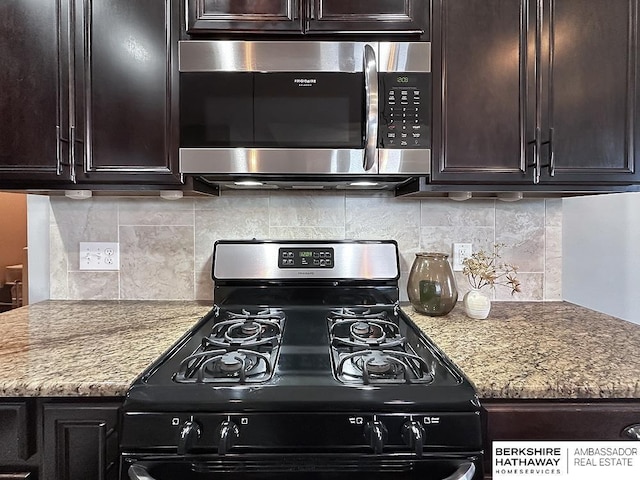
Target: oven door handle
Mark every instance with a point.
(371, 96)
(466, 471)
(136, 472)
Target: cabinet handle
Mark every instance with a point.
(59, 141)
(632, 431)
(552, 157)
(537, 145)
(551, 165)
(73, 155)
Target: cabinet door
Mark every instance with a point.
(30, 84)
(80, 441)
(591, 84)
(16, 439)
(398, 16)
(482, 73)
(257, 16)
(123, 73)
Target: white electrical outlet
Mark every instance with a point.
(460, 252)
(99, 256)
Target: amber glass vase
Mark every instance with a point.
(432, 287)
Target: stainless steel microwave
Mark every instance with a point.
(300, 113)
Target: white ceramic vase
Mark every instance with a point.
(476, 304)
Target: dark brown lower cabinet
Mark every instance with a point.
(570, 420)
(80, 441)
(17, 440)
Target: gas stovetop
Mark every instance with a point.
(310, 345)
(293, 357)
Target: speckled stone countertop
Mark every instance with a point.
(540, 350)
(524, 350)
(68, 348)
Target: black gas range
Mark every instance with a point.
(305, 367)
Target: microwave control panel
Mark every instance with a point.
(405, 120)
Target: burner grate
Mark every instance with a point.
(363, 329)
(384, 366)
(241, 349)
(367, 348)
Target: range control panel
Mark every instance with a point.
(406, 110)
(306, 257)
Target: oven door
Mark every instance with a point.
(297, 467)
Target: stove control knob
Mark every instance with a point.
(189, 433)
(413, 435)
(228, 434)
(376, 433)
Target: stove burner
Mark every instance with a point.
(365, 329)
(232, 362)
(360, 328)
(367, 333)
(375, 362)
(244, 332)
(248, 330)
(239, 366)
(384, 366)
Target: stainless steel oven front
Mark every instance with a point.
(305, 108)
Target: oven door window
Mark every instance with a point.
(309, 110)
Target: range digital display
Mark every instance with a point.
(305, 257)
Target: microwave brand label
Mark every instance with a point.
(305, 82)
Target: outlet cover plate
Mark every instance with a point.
(99, 256)
(460, 252)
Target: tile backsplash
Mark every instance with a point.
(166, 246)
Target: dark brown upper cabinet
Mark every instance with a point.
(30, 119)
(408, 17)
(401, 16)
(122, 74)
(536, 92)
(87, 93)
(264, 16)
(590, 91)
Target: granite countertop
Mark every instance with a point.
(524, 350)
(87, 348)
(536, 350)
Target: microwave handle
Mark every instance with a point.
(371, 104)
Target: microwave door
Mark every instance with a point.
(303, 108)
